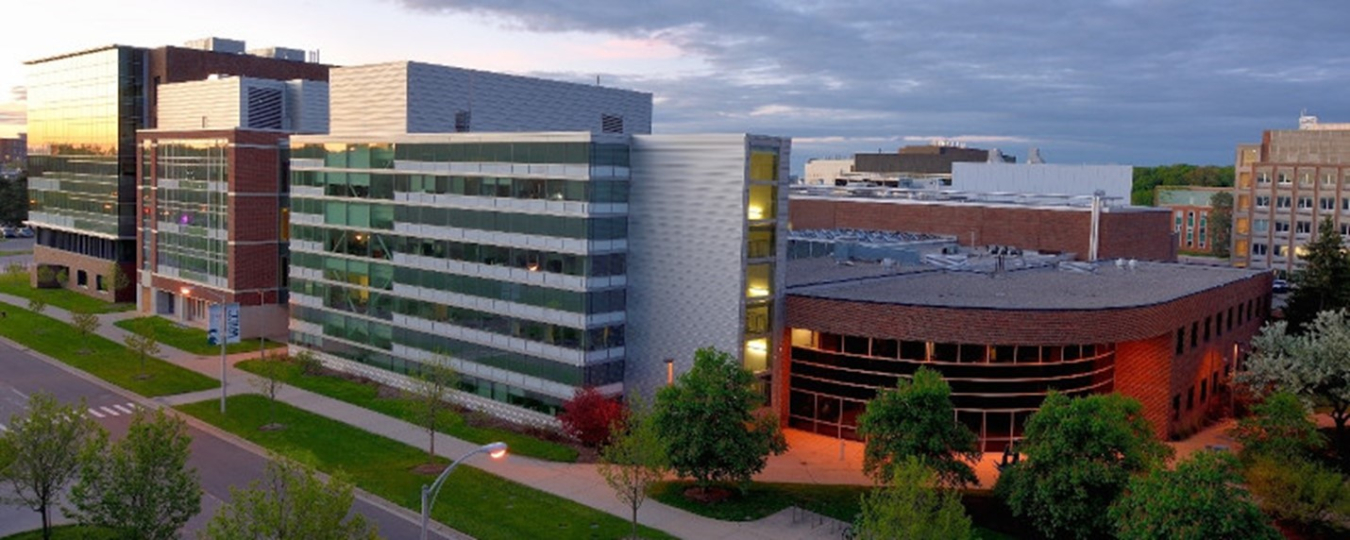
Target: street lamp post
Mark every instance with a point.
(220, 337)
(496, 450)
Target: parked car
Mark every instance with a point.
(10, 232)
(1280, 286)
(25, 232)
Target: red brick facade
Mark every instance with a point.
(1134, 234)
(1148, 366)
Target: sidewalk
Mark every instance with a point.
(577, 482)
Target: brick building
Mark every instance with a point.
(1191, 208)
(1029, 222)
(1164, 334)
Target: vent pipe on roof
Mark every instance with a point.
(1096, 224)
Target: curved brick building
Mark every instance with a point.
(1165, 334)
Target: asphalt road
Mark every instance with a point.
(221, 463)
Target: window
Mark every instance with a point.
(1263, 178)
(1263, 201)
(1305, 203)
(98, 282)
(1195, 334)
(1260, 225)
(1209, 323)
(1281, 226)
(1283, 179)
(1204, 391)
(1303, 227)
(82, 278)
(1218, 324)
(1190, 398)
(1283, 201)
(1329, 180)
(1181, 340)
(1345, 229)
(1178, 221)
(1345, 204)
(1327, 203)
(1305, 180)
(463, 120)
(1176, 407)
(1281, 250)
(1258, 249)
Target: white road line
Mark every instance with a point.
(123, 409)
(95, 413)
(109, 411)
(21, 394)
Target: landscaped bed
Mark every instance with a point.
(371, 395)
(186, 338)
(475, 502)
(17, 285)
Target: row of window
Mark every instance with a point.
(383, 155)
(383, 306)
(383, 246)
(1305, 179)
(1303, 203)
(383, 217)
(928, 351)
(382, 277)
(1223, 320)
(385, 186)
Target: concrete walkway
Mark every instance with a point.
(574, 481)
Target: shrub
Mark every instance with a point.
(589, 415)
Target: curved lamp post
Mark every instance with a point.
(220, 336)
(496, 450)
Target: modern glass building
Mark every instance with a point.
(503, 254)
(83, 112)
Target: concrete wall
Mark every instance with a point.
(1115, 180)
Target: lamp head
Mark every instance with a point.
(495, 450)
(187, 291)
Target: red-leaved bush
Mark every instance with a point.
(588, 416)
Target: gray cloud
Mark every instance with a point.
(1125, 81)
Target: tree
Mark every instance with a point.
(40, 453)
(1299, 490)
(117, 278)
(707, 421)
(916, 419)
(1200, 499)
(46, 276)
(430, 397)
(86, 323)
(589, 416)
(290, 503)
(14, 199)
(1280, 428)
(1221, 223)
(914, 506)
(143, 345)
(1314, 365)
(1324, 282)
(635, 457)
(141, 485)
(36, 305)
(1080, 454)
(269, 381)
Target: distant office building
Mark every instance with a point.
(1285, 187)
(1049, 179)
(826, 171)
(1191, 221)
(1104, 229)
(413, 97)
(84, 110)
(930, 161)
(14, 150)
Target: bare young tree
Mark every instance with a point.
(144, 346)
(86, 323)
(430, 396)
(269, 381)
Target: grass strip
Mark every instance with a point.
(367, 396)
(763, 499)
(474, 502)
(186, 338)
(99, 356)
(17, 285)
(66, 532)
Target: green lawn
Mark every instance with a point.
(365, 395)
(763, 499)
(65, 532)
(479, 504)
(186, 338)
(99, 356)
(17, 285)
(10, 252)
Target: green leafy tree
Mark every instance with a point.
(707, 421)
(140, 486)
(308, 362)
(430, 399)
(916, 419)
(913, 506)
(1324, 282)
(1299, 490)
(40, 453)
(118, 279)
(1079, 455)
(635, 457)
(1279, 427)
(290, 503)
(1221, 223)
(1314, 365)
(14, 199)
(86, 323)
(1198, 500)
(1148, 178)
(144, 346)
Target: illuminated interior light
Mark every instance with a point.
(759, 291)
(760, 346)
(756, 212)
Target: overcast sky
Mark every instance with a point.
(1140, 82)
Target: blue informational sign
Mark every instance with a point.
(231, 324)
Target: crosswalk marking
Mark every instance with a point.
(110, 412)
(123, 409)
(95, 413)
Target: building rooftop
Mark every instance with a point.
(1037, 283)
(951, 196)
